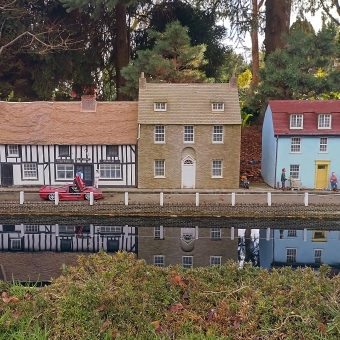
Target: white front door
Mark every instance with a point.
(188, 173)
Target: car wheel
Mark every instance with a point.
(51, 197)
(87, 196)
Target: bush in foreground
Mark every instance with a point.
(120, 297)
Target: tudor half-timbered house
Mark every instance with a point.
(48, 142)
(189, 135)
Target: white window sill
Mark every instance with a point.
(323, 152)
(296, 128)
(159, 177)
(297, 152)
(217, 142)
(160, 142)
(324, 128)
(216, 176)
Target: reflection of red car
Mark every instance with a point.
(70, 192)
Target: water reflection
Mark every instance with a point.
(36, 251)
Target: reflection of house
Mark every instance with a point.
(299, 248)
(189, 135)
(61, 238)
(303, 137)
(46, 142)
(191, 247)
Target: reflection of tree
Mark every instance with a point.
(248, 248)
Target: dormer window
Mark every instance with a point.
(324, 121)
(217, 107)
(160, 106)
(296, 121)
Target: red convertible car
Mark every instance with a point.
(77, 191)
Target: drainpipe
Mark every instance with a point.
(138, 136)
(275, 167)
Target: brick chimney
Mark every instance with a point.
(142, 82)
(88, 103)
(233, 82)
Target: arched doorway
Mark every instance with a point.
(188, 173)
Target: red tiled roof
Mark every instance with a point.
(42, 123)
(282, 109)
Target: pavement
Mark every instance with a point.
(256, 194)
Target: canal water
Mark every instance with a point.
(35, 249)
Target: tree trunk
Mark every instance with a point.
(122, 49)
(255, 46)
(277, 22)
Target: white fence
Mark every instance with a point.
(162, 199)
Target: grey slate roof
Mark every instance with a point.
(188, 103)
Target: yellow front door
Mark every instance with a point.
(321, 175)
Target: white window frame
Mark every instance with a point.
(13, 150)
(215, 233)
(215, 261)
(159, 134)
(217, 134)
(110, 171)
(291, 255)
(187, 261)
(31, 228)
(159, 168)
(324, 121)
(294, 171)
(216, 168)
(291, 233)
(159, 260)
(323, 147)
(188, 134)
(159, 106)
(110, 229)
(217, 107)
(64, 171)
(318, 255)
(15, 244)
(29, 171)
(295, 145)
(296, 121)
(158, 233)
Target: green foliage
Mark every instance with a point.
(120, 297)
(172, 59)
(303, 70)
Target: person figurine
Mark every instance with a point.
(79, 173)
(334, 182)
(96, 178)
(283, 179)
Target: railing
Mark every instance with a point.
(162, 198)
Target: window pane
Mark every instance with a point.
(30, 170)
(110, 171)
(111, 150)
(160, 106)
(324, 121)
(64, 171)
(296, 121)
(295, 145)
(218, 133)
(294, 171)
(217, 106)
(216, 168)
(158, 260)
(291, 255)
(216, 233)
(13, 150)
(188, 133)
(159, 133)
(323, 144)
(215, 260)
(159, 167)
(64, 150)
